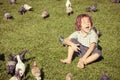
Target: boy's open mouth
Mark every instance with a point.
(87, 27)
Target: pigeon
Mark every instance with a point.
(22, 10)
(115, 1)
(12, 1)
(69, 10)
(20, 66)
(10, 67)
(22, 54)
(69, 76)
(68, 3)
(16, 76)
(61, 40)
(92, 8)
(36, 71)
(28, 7)
(104, 77)
(45, 14)
(7, 15)
(14, 58)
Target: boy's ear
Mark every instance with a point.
(77, 28)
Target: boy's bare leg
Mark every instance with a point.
(92, 58)
(81, 63)
(69, 57)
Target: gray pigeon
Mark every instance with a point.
(11, 64)
(61, 39)
(10, 67)
(22, 10)
(92, 8)
(22, 54)
(14, 58)
(115, 1)
(104, 77)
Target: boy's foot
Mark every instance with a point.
(80, 64)
(65, 61)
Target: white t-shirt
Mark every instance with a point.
(85, 40)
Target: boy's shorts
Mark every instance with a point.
(83, 49)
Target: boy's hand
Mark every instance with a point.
(83, 59)
(75, 47)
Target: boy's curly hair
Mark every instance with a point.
(78, 21)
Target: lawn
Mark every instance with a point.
(40, 37)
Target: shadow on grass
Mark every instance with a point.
(99, 47)
(1, 3)
(99, 59)
(42, 74)
(27, 69)
(2, 57)
(74, 56)
(31, 58)
(27, 78)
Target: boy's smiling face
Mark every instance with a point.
(85, 25)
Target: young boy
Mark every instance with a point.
(84, 41)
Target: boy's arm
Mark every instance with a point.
(74, 46)
(89, 51)
(93, 41)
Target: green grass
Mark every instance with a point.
(40, 38)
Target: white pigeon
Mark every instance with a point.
(27, 7)
(68, 3)
(69, 10)
(20, 66)
(16, 76)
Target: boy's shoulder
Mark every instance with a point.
(76, 32)
(92, 31)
